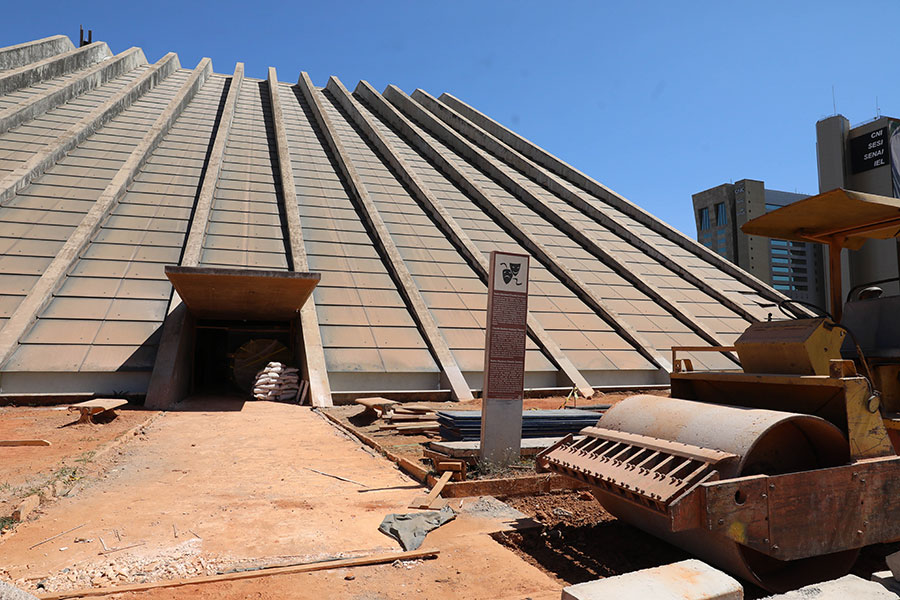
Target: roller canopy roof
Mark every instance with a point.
(842, 216)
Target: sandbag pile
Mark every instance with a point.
(277, 382)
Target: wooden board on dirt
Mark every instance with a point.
(91, 408)
(375, 404)
(431, 501)
(14, 443)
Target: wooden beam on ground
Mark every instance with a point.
(325, 565)
(393, 259)
(516, 229)
(428, 502)
(573, 175)
(86, 81)
(445, 221)
(55, 273)
(85, 127)
(14, 443)
(316, 369)
(54, 66)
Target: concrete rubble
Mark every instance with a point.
(849, 586)
(686, 580)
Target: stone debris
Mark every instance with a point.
(848, 586)
(277, 382)
(180, 561)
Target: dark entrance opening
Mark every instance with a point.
(231, 324)
(229, 354)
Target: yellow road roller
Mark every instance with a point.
(781, 472)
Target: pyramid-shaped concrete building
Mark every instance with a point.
(119, 177)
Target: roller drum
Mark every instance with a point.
(766, 442)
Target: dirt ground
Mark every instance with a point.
(226, 484)
(72, 445)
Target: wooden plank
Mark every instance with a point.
(375, 401)
(414, 417)
(429, 501)
(419, 428)
(100, 404)
(14, 443)
(298, 568)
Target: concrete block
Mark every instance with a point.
(848, 586)
(886, 578)
(26, 507)
(685, 580)
(893, 563)
(10, 592)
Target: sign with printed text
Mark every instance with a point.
(504, 364)
(869, 151)
(504, 358)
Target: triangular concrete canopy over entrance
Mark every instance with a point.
(242, 294)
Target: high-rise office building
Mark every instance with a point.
(865, 158)
(794, 268)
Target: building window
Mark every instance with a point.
(721, 218)
(704, 219)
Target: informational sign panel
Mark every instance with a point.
(869, 151)
(504, 358)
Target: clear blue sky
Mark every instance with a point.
(653, 99)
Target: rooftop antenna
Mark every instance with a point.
(90, 37)
(833, 101)
(877, 110)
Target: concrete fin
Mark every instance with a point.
(469, 148)
(413, 297)
(571, 174)
(200, 220)
(529, 168)
(547, 257)
(169, 381)
(61, 64)
(447, 223)
(87, 81)
(85, 127)
(13, 57)
(316, 369)
(54, 276)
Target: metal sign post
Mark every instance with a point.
(504, 359)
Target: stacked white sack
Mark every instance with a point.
(277, 382)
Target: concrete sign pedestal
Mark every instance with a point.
(504, 359)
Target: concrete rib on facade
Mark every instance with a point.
(396, 201)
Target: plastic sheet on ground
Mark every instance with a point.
(410, 529)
